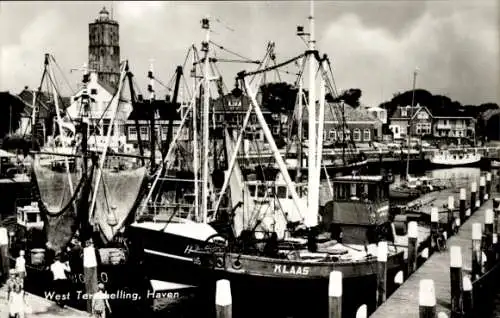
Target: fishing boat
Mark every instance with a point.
(274, 249)
(78, 194)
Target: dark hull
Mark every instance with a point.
(259, 295)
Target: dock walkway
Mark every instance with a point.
(39, 307)
(404, 301)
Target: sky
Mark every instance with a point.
(373, 45)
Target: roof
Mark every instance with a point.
(6, 98)
(416, 109)
(166, 110)
(107, 87)
(44, 102)
(351, 114)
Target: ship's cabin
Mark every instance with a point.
(29, 217)
(266, 190)
(360, 189)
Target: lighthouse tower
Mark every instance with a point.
(104, 49)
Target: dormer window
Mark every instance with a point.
(404, 112)
(93, 91)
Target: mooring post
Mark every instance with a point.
(456, 281)
(427, 299)
(494, 248)
(461, 206)
(362, 312)
(451, 218)
(381, 272)
(473, 198)
(488, 185)
(467, 300)
(223, 299)
(482, 185)
(434, 225)
(4, 254)
(335, 295)
(488, 238)
(412, 247)
(476, 251)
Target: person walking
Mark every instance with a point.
(11, 282)
(21, 266)
(100, 302)
(60, 281)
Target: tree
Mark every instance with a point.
(10, 113)
(350, 96)
(279, 97)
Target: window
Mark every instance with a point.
(132, 133)
(332, 134)
(276, 130)
(144, 132)
(357, 135)
(367, 135)
(282, 192)
(341, 135)
(347, 133)
(93, 91)
(157, 132)
(164, 132)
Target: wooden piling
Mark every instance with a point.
(473, 198)
(456, 281)
(4, 254)
(381, 272)
(488, 185)
(476, 251)
(90, 273)
(488, 238)
(462, 205)
(434, 227)
(412, 247)
(451, 207)
(467, 300)
(362, 312)
(223, 299)
(427, 299)
(335, 295)
(482, 186)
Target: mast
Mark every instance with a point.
(311, 218)
(152, 114)
(206, 109)
(196, 164)
(299, 131)
(409, 126)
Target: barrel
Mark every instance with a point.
(37, 256)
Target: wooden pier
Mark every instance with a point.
(40, 307)
(404, 302)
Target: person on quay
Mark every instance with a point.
(100, 302)
(21, 266)
(12, 282)
(60, 281)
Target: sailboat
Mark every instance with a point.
(275, 245)
(79, 191)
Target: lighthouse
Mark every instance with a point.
(104, 49)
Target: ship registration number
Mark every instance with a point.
(291, 270)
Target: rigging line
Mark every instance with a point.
(268, 51)
(274, 67)
(187, 88)
(229, 51)
(73, 91)
(60, 100)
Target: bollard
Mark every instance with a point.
(494, 247)
(456, 281)
(223, 299)
(451, 207)
(90, 273)
(482, 185)
(335, 295)
(476, 251)
(461, 207)
(442, 315)
(4, 254)
(473, 199)
(362, 312)
(434, 225)
(412, 247)
(488, 185)
(488, 238)
(467, 300)
(427, 299)
(381, 272)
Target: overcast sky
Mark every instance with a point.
(374, 45)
